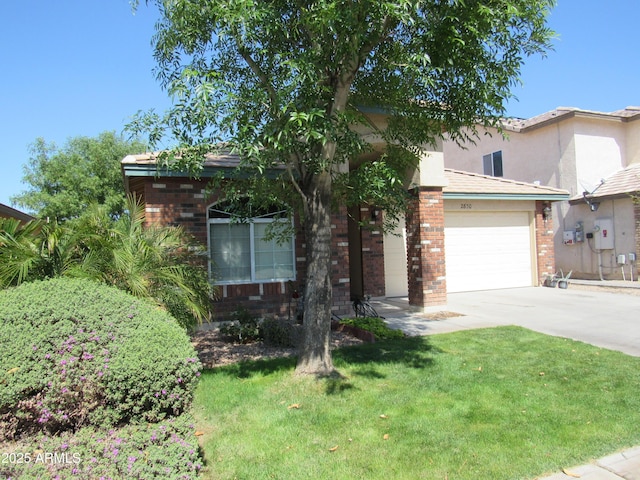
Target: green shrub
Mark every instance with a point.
(75, 353)
(278, 332)
(243, 328)
(167, 449)
(375, 325)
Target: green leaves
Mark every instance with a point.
(64, 181)
(161, 264)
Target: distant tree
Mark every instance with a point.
(65, 181)
(283, 83)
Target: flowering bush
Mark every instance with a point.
(75, 353)
(167, 449)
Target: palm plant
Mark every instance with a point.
(35, 249)
(157, 263)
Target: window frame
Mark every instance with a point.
(490, 160)
(267, 218)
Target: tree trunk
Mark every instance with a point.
(315, 353)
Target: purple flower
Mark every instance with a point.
(87, 356)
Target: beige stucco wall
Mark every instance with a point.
(582, 258)
(633, 142)
(573, 154)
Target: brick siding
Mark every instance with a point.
(183, 202)
(544, 244)
(425, 248)
(636, 215)
(372, 239)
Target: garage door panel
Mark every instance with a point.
(487, 250)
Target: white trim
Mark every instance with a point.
(263, 219)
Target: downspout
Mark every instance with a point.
(600, 265)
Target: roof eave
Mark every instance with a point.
(601, 198)
(152, 170)
(554, 197)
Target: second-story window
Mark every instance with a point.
(492, 164)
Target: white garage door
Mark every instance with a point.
(487, 250)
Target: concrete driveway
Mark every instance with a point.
(601, 318)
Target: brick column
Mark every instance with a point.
(372, 254)
(636, 215)
(425, 248)
(340, 277)
(544, 244)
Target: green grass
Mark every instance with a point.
(503, 403)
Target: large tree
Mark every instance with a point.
(284, 83)
(63, 182)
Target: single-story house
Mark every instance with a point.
(463, 231)
(9, 212)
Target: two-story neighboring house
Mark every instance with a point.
(593, 155)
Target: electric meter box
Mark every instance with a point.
(569, 237)
(603, 234)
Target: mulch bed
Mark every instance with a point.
(214, 350)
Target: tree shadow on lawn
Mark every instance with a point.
(412, 352)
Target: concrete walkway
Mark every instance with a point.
(598, 316)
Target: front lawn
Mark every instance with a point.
(502, 403)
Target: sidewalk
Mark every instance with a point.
(624, 465)
(545, 310)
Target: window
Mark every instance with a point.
(240, 252)
(493, 164)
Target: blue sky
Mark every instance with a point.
(81, 67)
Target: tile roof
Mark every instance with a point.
(460, 183)
(620, 183)
(520, 124)
(221, 159)
(473, 183)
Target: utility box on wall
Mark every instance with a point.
(603, 234)
(569, 237)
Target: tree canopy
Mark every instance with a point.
(288, 83)
(63, 182)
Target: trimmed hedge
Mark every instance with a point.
(75, 353)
